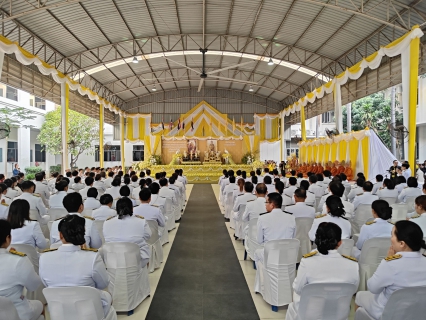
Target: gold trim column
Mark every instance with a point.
(412, 107)
(101, 136)
(122, 141)
(64, 125)
(302, 122)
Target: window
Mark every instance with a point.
(40, 153)
(291, 151)
(31, 155)
(112, 154)
(138, 153)
(11, 93)
(40, 103)
(12, 151)
(328, 117)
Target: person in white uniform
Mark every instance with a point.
(292, 186)
(149, 212)
(316, 189)
(267, 180)
(388, 190)
(356, 189)
(401, 183)
(73, 203)
(259, 176)
(17, 273)
(11, 192)
(420, 216)
(4, 199)
(108, 180)
(412, 190)
(56, 199)
(99, 184)
(310, 196)
(77, 185)
(91, 203)
(166, 192)
(114, 191)
(135, 192)
(378, 184)
(380, 227)
(156, 200)
(42, 188)
(73, 264)
(25, 230)
(4, 207)
(403, 268)
(104, 211)
(243, 199)
(336, 188)
(34, 200)
(274, 224)
(257, 206)
(300, 209)
(323, 265)
(126, 227)
(89, 183)
(366, 197)
(406, 170)
(336, 214)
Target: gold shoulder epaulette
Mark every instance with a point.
(391, 222)
(394, 257)
(59, 218)
(154, 205)
(36, 195)
(4, 204)
(320, 216)
(109, 218)
(349, 257)
(415, 217)
(90, 249)
(49, 250)
(251, 200)
(310, 254)
(21, 254)
(87, 217)
(369, 223)
(140, 217)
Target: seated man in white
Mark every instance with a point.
(56, 199)
(388, 190)
(412, 190)
(300, 209)
(230, 188)
(125, 193)
(255, 207)
(327, 177)
(267, 180)
(114, 191)
(108, 180)
(310, 196)
(166, 192)
(292, 186)
(135, 192)
(156, 200)
(78, 185)
(293, 175)
(89, 183)
(42, 188)
(274, 224)
(356, 189)
(243, 199)
(419, 215)
(337, 189)
(366, 197)
(99, 184)
(316, 189)
(104, 211)
(378, 184)
(35, 201)
(401, 183)
(91, 202)
(149, 212)
(73, 203)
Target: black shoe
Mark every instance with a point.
(178, 220)
(227, 220)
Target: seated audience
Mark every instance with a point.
(104, 211)
(91, 202)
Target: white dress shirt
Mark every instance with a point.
(56, 201)
(387, 193)
(114, 192)
(103, 213)
(300, 210)
(36, 203)
(254, 208)
(409, 192)
(317, 190)
(275, 225)
(343, 223)
(150, 213)
(376, 187)
(421, 221)
(356, 190)
(30, 234)
(91, 203)
(365, 198)
(406, 173)
(43, 190)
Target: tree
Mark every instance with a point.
(373, 111)
(14, 116)
(82, 132)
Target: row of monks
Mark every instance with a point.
(334, 168)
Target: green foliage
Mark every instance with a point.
(33, 170)
(14, 116)
(56, 168)
(374, 112)
(82, 132)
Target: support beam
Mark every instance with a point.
(64, 125)
(393, 140)
(349, 117)
(122, 142)
(412, 108)
(303, 123)
(101, 136)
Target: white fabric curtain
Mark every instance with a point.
(270, 151)
(380, 157)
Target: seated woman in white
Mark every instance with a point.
(25, 230)
(420, 213)
(127, 227)
(388, 190)
(17, 272)
(381, 227)
(73, 265)
(336, 214)
(323, 265)
(403, 268)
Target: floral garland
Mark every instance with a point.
(176, 159)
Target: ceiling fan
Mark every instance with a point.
(204, 75)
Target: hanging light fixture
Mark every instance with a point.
(135, 59)
(251, 88)
(270, 62)
(154, 88)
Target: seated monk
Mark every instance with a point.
(308, 168)
(341, 167)
(328, 166)
(348, 171)
(334, 170)
(314, 168)
(320, 168)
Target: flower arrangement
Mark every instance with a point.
(154, 160)
(226, 156)
(248, 158)
(177, 157)
(257, 164)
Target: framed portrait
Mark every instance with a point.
(212, 146)
(192, 146)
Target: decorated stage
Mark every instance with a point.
(205, 173)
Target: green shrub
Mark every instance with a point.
(32, 170)
(56, 168)
(30, 176)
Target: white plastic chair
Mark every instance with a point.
(49, 225)
(325, 301)
(399, 211)
(251, 243)
(407, 303)
(409, 201)
(155, 248)
(317, 201)
(168, 208)
(100, 227)
(390, 200)
(229, 203)
(56, 213)
(87, 212)
(347, 190)
(362, 214)
(8, 310)
(275, 276)
(346, 247)
(238, 222)
(129, 283)
(70, 303)
(303, 225)
(372, 253)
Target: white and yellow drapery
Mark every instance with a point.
(266, 126)
(408, 47)
(363, 148)
(138, 127)
(152, 143)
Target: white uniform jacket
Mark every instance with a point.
(103, 213)
(36, 203)
(409, 192)
(18, 272)
(421, 221)
(365, 198)
(254, 208)
(356, 190)
(275, 225)
(317, 190)
(30, 234)
(166, 192)
(150, 213)
(242, 199)
(114, 192)
(387, 193)
(91, 203)
(4, 211)
(300, 210)
(348, 207)
(343, 223)
(93, 239)
(43, 190)
(290, 190)
(12, 193)
(376, 187)
(100, 185)
(378, 228)
(56, 201)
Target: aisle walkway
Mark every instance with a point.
(202, 278)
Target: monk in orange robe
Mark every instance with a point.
(349, 172)
(320, 168)
(341, 167)
(314, 168)
(328, 166)
(334, 171)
